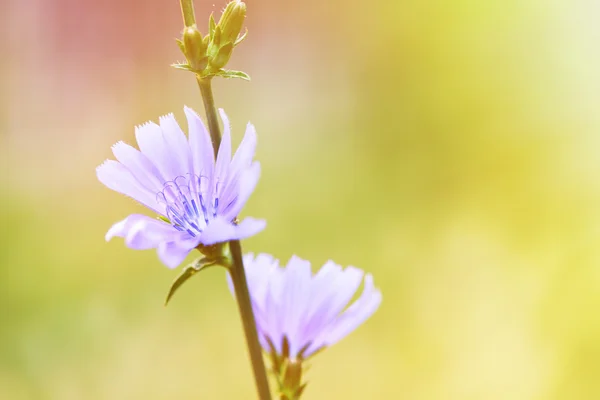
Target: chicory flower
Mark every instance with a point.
(299, 313)
(196, 197)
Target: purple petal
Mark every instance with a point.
(230, 282)
(178, 145)
(174, 252)
(219, 230)
(245, 152)
(226, 124)
(346, 286)
(247, 184)
(142, 232)
(296, 295)
(249, 227)
(356, 314)
(139, 165)
(330, 298)
(200, 144)
(324, 288)
(322, 285)
(117, 177)
(152, 143)
(274, 308)
(257, 274)
(258, 285)
(223, 158)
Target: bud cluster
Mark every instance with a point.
(208, 55)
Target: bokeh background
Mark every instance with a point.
(451, 148)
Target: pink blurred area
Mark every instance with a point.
(70, 64)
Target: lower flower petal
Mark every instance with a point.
(142, 232)
(219, 230)
(174, 252)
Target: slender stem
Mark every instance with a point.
(238, 274)
(187, 10)
(242, 295)
(211, 111)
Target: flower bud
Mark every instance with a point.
(195, 48)
(232, 20)
(222, 56)
(206, 56)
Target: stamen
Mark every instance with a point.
(181, 198)
(216, 195)
(203, 190)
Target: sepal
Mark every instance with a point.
(183, 66)
(181, 45)
(287, 371)
(241, 38)
(212, 25)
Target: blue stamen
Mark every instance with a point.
(182, 200)
(192, 234)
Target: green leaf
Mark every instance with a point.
(228, 73)
(187, 273)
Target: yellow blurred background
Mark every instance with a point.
(451, 148)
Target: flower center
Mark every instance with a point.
(186, 205)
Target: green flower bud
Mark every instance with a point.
(222, 56)
(207, 55)
(232, 20)
(195, 48)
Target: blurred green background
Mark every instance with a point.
(448, 147)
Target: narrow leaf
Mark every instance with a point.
(186, 274)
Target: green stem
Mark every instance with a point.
(238, 274)
(242, 295)
(205, 85)
(187, 10)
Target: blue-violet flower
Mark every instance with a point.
(299, 313)
(178, 178)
